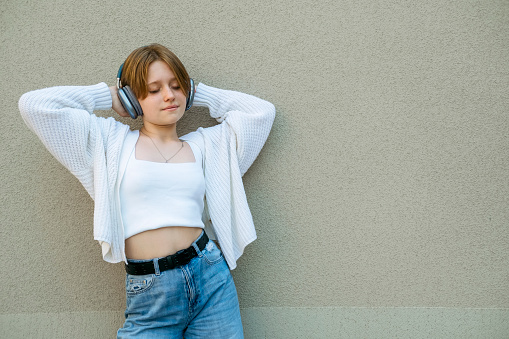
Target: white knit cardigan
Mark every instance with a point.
(90, 147)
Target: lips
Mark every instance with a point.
(170, 108)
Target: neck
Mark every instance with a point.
(163, 133)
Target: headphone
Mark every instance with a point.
(130, 102)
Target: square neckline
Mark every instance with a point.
(161, 162)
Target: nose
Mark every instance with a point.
(168, 94)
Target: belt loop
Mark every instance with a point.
(197, 250)
(156, 267)
(195, 244)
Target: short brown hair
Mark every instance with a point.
(135, 70)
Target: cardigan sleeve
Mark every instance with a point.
(62, 119)
(249, 117)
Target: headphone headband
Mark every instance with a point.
(119, 74)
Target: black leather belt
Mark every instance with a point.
(181, 258)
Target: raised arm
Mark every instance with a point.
(249, 117)
(62, 119)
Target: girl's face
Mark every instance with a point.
(165, 103)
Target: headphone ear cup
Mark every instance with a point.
(133, 100)
(124, 100)
(190, 95)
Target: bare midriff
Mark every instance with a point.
(160, 242)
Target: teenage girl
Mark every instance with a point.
(159, 197)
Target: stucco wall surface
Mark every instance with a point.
(384, 184)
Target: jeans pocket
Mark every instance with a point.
(212, 254)
(136, 284)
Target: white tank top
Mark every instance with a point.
(155, 195)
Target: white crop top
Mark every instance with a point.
(155, 195)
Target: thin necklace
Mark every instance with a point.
(157, 148)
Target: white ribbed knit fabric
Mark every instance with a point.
(90, 147)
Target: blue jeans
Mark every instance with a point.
(198, 300)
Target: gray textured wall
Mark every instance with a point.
(380, 198)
